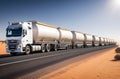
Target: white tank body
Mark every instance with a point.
(101, 41)
(110, 41)
(96, 39)
(66, 36)
(78, 37)
(88, 38)
(42, 32)
(106, 41)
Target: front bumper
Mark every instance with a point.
(20, 50)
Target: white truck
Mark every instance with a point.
(27, 37)
(32, 36)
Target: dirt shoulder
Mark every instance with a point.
(2, 48)
(100, 66)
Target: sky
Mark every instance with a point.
(97, 17)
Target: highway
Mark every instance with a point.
(16, 66)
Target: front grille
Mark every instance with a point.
(12, 42)
(12, 47)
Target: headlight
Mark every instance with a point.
(19, 46)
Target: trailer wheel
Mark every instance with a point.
(55, 47)
(43, 48)
(28, 50)
(67, 47)
(48, 47)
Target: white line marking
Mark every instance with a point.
(28, 60)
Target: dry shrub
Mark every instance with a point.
(117, 50)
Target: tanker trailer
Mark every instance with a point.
(113, 42)
(110, 41)
(88, 40)
(95, 40)
(106, 41)
(101, 42)
(78, 39)
(46, 36)
(65, 40)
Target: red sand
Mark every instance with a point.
(101, 66)
(2, 48)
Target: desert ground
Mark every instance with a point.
(2, 48)
(100, 66)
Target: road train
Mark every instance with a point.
(31, 36)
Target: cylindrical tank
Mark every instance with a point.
(78, 37)
(114, 42)
(66, 36)
(110, 41)
(88, 39)
(101, 42)
(106, 41)
(95, 40)
(43, 32)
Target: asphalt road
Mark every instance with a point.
(15, 66)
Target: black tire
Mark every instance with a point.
(73, 46)
(28, 50)
(43, 48)
(48, 47)
(84, 46)
(66, 48)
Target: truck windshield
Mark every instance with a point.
(14, 31)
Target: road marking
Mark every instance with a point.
(28, 59)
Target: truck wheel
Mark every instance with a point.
(28, 50)
(48, 47)
(43, 48)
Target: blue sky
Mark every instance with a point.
(89, 16)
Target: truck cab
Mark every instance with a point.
(18, 35)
